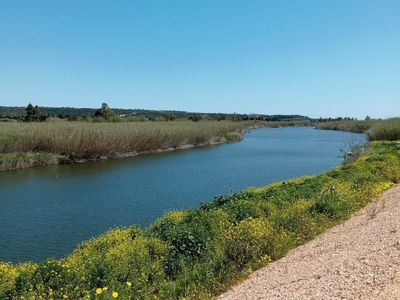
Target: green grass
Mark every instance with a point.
(201, 252)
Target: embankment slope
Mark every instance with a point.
(359, 259)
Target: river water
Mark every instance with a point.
(46, 212)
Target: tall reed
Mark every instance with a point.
(387, 130)
(83, 139)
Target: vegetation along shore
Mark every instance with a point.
(388, 129)
(37, 144)
(37, 140)
(200, 252)
(34, 144)
(29, 137)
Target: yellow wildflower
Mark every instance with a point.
(99, 291)
(114, 294)
(129, 284)
(105, 288)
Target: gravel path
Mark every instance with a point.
(359, 259)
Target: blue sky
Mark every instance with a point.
(316, 58)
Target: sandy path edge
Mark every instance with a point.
(359, 259)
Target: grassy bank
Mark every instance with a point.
(358, 126)
(32, 144)
(200, 252)
(26, 144)
(12, 161)
(385, 130)
(377, 130)
(86, 140)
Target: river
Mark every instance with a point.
(46, 212)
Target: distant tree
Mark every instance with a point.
(105, 112)
(195, 118)
(33, 114)
(72, 118)
(221, 117)
(367, 118)
(234, 117)
(169, 117)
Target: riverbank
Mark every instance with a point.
(38, 144)
(201, 252)
(121, 192)
(387, 130)
(24, 145)
(14, 161)
(358, 259)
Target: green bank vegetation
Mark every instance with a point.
(25, 144)
(19, 160)
(375, 129)
(74, 141)
(29, 137)
(358, 126)
(200, 252)
(385, 130)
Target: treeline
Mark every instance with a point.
(338, 119)
(73, 114)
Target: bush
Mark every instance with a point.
(197, 236)
(8, 276)
(249, 241)
(296, 218)
(332, 204)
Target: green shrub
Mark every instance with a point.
(296, 218)
(249, 241)
(24, 281)
(332, 204)
(243, 209)
(8, 276)
(198, 236)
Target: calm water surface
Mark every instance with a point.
(46, 212)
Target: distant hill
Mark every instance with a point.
(71, 112)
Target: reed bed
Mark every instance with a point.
(377, 130)
(385, 130)
(358, 126)
(90, 140)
